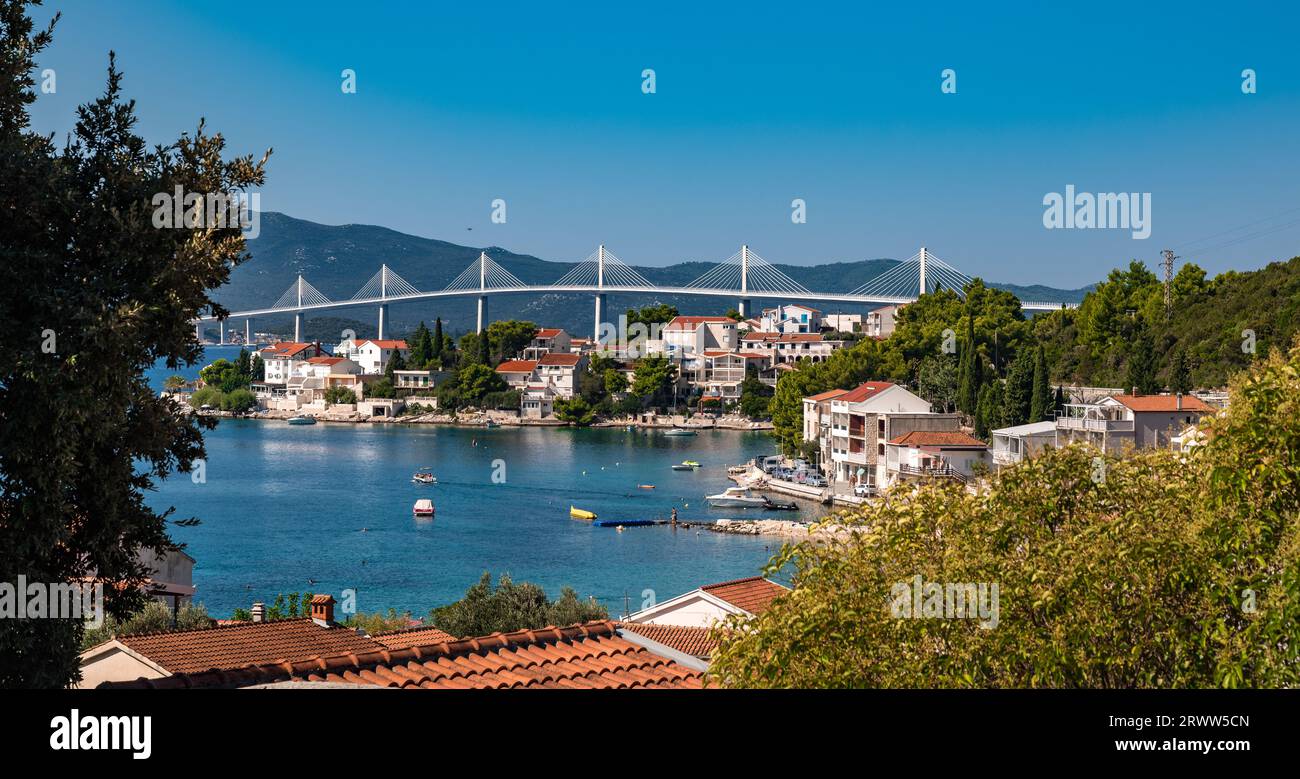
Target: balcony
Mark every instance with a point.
(1094, 425)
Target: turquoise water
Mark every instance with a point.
(327, 507)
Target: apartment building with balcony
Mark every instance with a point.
(1118, 423)
(1015, 444)
(862, 421)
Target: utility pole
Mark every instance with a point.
(1169, 280)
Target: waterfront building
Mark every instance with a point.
(561, 372)
(862, 421)
(518, 373)
(718, 374)
(320, 367)
(547, 340)
(1117, 423)
(282, 361)
(413, 381)
(1015, 444)
(933, 453)
(373, 355)
(817, 425)
(537, 401)
(689, 336)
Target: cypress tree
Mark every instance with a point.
(1141, 372)
(436, 352)
(1040, 406)
(968, 378)
(1179, 379)
(484, 352)
(1018, 395)
(984, 413)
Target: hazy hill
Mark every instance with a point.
(338, 260)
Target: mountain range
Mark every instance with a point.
(338, 260)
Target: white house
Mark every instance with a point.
(790, 318)
(547, 340)
(373, 355)
(1020, 442)
(712, 603)
(537, 401)
(282, 361)
(790, 347)
(561, 371)
(880, 323)
(518, 373)
(933, 453)
(1120, 422)
(688, 336)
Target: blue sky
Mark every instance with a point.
(840, 105)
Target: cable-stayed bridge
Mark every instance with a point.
(744, 275)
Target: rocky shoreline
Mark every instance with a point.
(483, 418)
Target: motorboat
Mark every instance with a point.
(738, 470)
(686, 465)
(645, 486)
(735, 497)
(678, 431)
(578, 513)
(779, 505)
(302, 419)
(424, 476)
(423, 508)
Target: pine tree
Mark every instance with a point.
(1179, 379)
(1040, 406)
(420, 346)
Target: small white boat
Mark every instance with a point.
(679, 431)
(423, 508)
(735, 497)
(302, 419)
(424, 477)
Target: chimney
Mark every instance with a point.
(259, 612)
(322, 610)
(1135, 392)
(1179, 401)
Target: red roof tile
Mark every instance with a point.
(548, 332)
(325, 360)
(517, 366)
(692, 322)
(235, 646)
(1162, 403)
(590, 656)
(693, 641)
(938, 438)
(385, 344)
(421, 636)
(560, 359)
(753, 594)
(829, 394)
(864, 391)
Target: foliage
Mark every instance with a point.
(1172, 571)
(576, 411)
(755, 396)
(936, 381)
(650, 315)
(94, 294)
(174, 383)
(1040, 401)
(654, 379)
(292, 606)
(486, 609)
(1018, 390)
(476, 380)
(380, 389)
(510, 337)
(378, 621)
(337, 394)
(154, 617)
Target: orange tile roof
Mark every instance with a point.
(693, 641)
(517, 366)
(234, 646)
(325, 360)
(864, 391)
(560, 359)
(548, 332)
(938, 438)
(385, 344)
(286, 348)
(692, 322)
(835, 393)
(590, 656)
(1162, 403)
(421, 636)
(753, 594)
